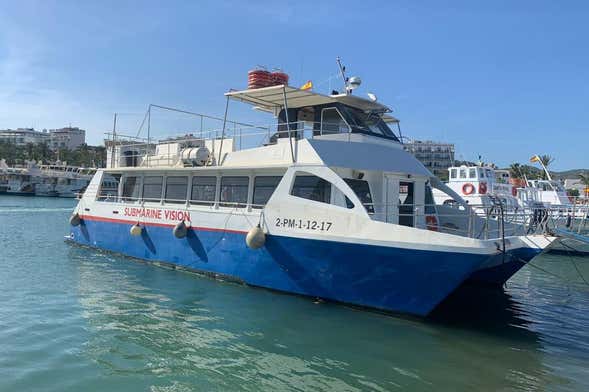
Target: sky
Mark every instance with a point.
(501, 79)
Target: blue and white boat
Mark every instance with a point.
(328, 205)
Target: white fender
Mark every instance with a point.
(256, 238)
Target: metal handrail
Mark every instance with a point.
(261, 134)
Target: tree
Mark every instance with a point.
(515, 170)
(573, 192)
(546, 161)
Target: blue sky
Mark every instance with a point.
(503, 79)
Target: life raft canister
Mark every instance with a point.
(468, 188)
(431, 222)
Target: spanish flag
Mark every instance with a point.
(307, 86)
(535, 158)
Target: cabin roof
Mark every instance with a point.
(272, 99)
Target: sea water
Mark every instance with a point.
(79, 319)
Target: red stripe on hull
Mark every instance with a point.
(132, 222)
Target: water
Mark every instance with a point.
(76, 319)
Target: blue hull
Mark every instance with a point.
(502, 267)
(385, 278)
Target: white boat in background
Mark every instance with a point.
(58, 180)
(18, 181)
(61, 180)
(481, 186)
(325, 203)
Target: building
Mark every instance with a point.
(69, 137)
(436, 156)
(23, 136)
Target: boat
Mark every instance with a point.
(325, 204)
(19, 181)
(62, 180)
(525, 205)
(481, 186)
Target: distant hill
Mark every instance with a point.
(574, 173)
(537, 172)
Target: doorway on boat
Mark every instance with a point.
(406, 203)
(404, 200)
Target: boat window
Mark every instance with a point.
(176, 187)
(481, 173)
(367, 122)
(130, 188)
(462, 173)
(109, 187)
(362, 190)
(312, 188)
(203, 190)
(234, 191)
(453, 173)
(152, 188)
(264, 187)
(333, 122)
(472, 172)
(488, 173)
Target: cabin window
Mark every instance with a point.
(462, 173)
(176, 187)
(131, 188)
(333, 122)
(488, 173)
(203, 190)
(109, 187)
(481, 173)
(453, 173)
(312, 188)
(234, 191)
(472, 172)
(264, 187)
(152, 188)
(362, 190)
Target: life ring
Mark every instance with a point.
(468, 188)
(514, 191)
(431, 222)
(483, 188)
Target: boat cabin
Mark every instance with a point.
(336, 150)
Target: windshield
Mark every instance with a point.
(368, 122)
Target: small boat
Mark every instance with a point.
(21, 181)
(61, 180)
(324, 203)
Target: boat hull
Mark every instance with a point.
(500, 268)
(386, 278)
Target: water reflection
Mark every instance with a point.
(177, 329)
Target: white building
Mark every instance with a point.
(23, 136)
(436, 156)
(69, 137)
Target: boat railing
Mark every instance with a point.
(142, 151)
(480, 222)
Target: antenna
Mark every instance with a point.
(349, 83)
(342, 70)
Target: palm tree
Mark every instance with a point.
(515, 170)
(546, 161)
